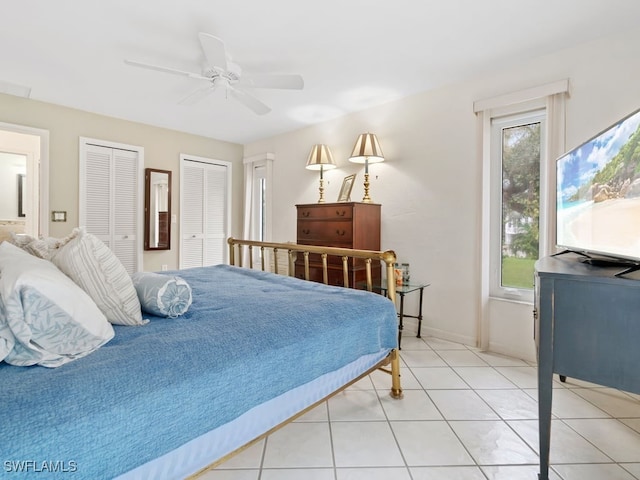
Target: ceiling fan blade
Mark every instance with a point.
(214, 50)
(249, 101)
(293, 82)
(165, 69)
(197, 95)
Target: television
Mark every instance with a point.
(598, 196)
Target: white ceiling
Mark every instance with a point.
(352, 54)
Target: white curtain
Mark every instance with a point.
(250, 211)
(556, 146)
(553, 98)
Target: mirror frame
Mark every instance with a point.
(147, 209)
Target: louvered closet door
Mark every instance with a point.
(216, 218)
(125, 198)
(204, 217)
(110, 200)
(97, 213)
(192, 206)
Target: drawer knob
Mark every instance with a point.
(341, 213)
(305, 213)
(306, 231)
(341, 233)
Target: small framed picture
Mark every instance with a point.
(345, 191)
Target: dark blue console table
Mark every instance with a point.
(587, 327)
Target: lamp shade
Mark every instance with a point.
(367, 150)
(320, 158)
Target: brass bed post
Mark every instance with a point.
(262, 258)
(306, 265)
(396, 388)
(368, 270)
(389, 258)
(291, 264)
(250, 256)
(232, 257)
(325, 273)
(275, 260)
(345, 270)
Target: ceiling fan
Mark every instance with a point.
(220, 71)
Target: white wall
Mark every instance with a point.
(162, 150)
(430, 183)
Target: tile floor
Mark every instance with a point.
(466, 415)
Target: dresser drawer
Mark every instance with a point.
(327, 212)
(330, 234)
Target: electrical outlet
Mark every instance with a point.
(164, 268)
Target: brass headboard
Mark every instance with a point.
(292, 250)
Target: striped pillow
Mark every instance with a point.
(95, 269)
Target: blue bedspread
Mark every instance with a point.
(248, 336)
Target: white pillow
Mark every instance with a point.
(95, 269)
(45, 318)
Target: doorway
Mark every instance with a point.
(24, 157)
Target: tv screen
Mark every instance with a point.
(598, 194)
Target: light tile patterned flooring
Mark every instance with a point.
(466, 415)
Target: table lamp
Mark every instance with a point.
(320, 159)
(366, 150)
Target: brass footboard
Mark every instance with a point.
(241, 254)
(390, 364)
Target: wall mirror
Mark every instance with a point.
(157, 209)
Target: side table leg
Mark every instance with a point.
(401, 323)
(420, 313)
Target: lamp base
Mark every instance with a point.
(366, 198)
(321, 188)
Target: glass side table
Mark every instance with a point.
(402, 290)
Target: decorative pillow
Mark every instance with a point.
(45, 318)
(20, 239)
(43, 247)
(95, 269)
(162, 295)
(7, 340)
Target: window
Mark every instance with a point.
(513, 120)
(517, 152)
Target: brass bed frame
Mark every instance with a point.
(241, 254)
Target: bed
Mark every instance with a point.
(177, 396)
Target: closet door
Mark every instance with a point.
(192, 215)
(205, 206)
(215, 251)
(111, 198)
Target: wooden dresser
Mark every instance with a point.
(345, 225)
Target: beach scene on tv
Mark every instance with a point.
(598, 196)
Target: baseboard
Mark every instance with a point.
(445, 335)
(509, 351)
